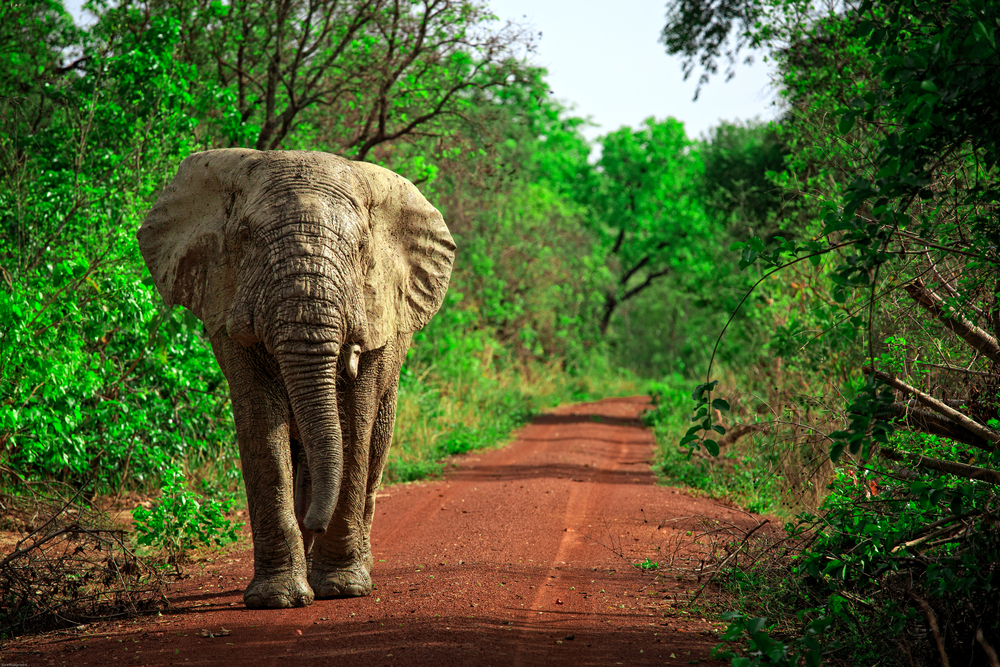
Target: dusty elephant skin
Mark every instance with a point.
(310, 273)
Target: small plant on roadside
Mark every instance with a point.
(184, 521)
(763, 649)
(648, 566)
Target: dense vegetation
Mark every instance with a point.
(846, 253)
(881, 271)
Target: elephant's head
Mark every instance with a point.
(308, 254)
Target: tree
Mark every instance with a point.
(704, 29)
(740, 160)
(360, 73)
(645, 207)
(38, 45)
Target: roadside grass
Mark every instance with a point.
(744, 474)
(768, 463)
(439, 416)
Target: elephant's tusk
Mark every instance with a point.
(352, 361)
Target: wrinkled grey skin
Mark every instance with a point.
(310, 273)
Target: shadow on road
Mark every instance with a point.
(594, 419)
(576, 473)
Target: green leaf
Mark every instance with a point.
(981, 30)
(712, 447)
(846, 123)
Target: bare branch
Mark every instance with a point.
(979, 339)
(925, 421)
(957, 369)
(646, 283)
(951, 467)
(937, 406)
(741, 430)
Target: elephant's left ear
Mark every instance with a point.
(183, 237)
(412, 254)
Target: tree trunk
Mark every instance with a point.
(610, 303)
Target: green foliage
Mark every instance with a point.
(872, 576)
(673, 324)
(751, 476)
(938, 66)
(890, 185)
(763, 649)
(182, 521)
(645, 210)
(741, 161)
(865, 428)
(702, 29)
(96, 380)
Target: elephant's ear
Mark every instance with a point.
(411, 257)
(183, 237)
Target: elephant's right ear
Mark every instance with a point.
(183, 237)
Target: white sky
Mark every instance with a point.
(605, 62)
(603, 57)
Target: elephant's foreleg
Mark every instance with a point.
(260, 409)
(381, 439)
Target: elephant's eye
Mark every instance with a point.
(242, 236)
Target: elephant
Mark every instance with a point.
(310, 273)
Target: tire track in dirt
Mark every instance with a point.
(518, 556)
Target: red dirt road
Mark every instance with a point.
(518, 556)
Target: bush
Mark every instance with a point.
(183, 521)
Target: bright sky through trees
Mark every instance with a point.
(605, 58)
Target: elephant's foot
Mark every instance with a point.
(277, 592)
(352, 581)
(367, 560)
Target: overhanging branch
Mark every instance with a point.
(925, 421)
(979, 339)
(951, 467)
(988, 435)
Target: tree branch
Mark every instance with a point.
(740, 430)
(642, 262)
(646, 283)
(925, 421)
(951, 467)
(979, 339)
(619, 241)
(987, 434)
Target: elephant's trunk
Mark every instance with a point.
(310, 376)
